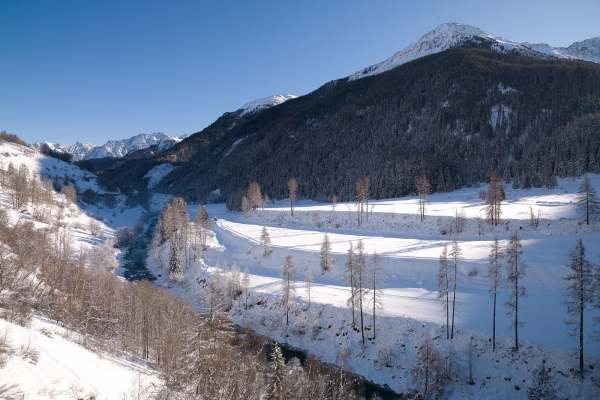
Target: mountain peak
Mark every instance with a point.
(453, 35)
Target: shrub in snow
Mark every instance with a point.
(125, 236)
(429, 372)
(543, 386)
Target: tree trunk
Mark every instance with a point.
(494, 324)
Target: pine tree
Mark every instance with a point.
(456, 257)
(350, 275)
(360, 281)
(587, 202)
(579, 292)
(265, 240)
(308, 278)
(246, 285)
(327, 261)
(515, 271)
(495, 274)
(174, 262)
(277, 374)
(543, 385)
(288, 286)
(444, 285)
(423, 190)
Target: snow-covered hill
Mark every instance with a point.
(117, 148)
(264, 103)
(453, 35)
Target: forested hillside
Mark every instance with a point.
(455, 116)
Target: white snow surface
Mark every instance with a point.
(63, 368)
(451, 35)
(409, 252)
(157, 173)
(264, 103)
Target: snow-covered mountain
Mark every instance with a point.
(588, 49)
(117, 148)
(453, 35)
(264, 103)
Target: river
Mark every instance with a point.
(136, 255)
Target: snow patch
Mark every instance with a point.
(157, 173)
(264, 103)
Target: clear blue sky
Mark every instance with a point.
(97, 70)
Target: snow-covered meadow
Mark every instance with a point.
(409, 251)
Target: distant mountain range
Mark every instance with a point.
(453, 35)
(158, 141)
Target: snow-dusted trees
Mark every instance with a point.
(94, 227)
(288, 286)
(292, 187)
(277, 374)
(234, 282)
(587, 202)
(428, 372)
(308, 278)
(356, 275)
(460, 219)
(350, 276)
(362, 197)
(125, 236)
(515, 271)
(265, 241)
(174, 262)
(70, 193)
(495, 274)
(495, 196)
(327, 261)
(444, 285)
(202, 226)
(103, 256)
(423, 190)
(246, 286)
(579, 293)
(543, 387)
(455, 258)
(375, 282)
(254, 196)
(360, 280)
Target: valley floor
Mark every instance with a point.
(409, 251)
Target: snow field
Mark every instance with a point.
(409, 251)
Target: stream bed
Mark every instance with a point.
(135, 270)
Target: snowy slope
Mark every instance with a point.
(44, 361)
(264, 103)
(453, 35)
(409, 252)
(117, 148)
